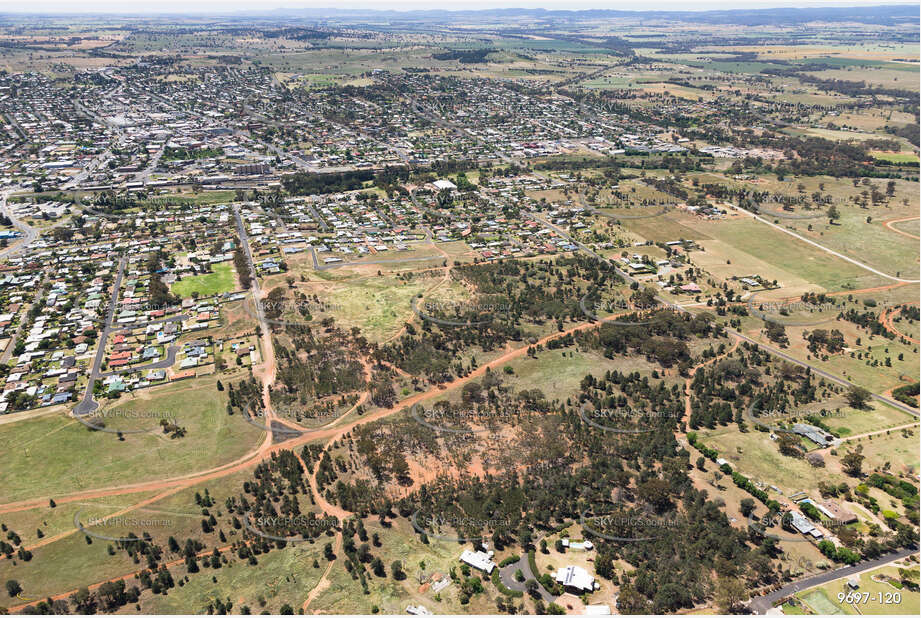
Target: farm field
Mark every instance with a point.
(795, 264)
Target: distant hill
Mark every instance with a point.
(881, 15)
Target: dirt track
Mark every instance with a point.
(886, 319)
(889, 223)
(267, 448)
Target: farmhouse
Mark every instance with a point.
(837, 512)
(816, 434)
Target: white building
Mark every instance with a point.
(444, 184)
(575, 577)
(478, 560)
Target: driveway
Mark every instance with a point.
(507, 575)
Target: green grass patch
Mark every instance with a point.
(57, 454)
(895, 157)
(217, 282)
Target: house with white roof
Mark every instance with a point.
(576, 578)
(479, 560)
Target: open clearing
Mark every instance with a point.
(55, 448)
(222, 279)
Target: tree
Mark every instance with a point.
(730, 592)
(788, 443)
(747, 506)
(857, 397)
(396, 569)
(12, 587)
(532, 588)
(852, 462)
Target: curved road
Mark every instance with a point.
(507, 575)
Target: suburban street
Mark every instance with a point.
(88, 405)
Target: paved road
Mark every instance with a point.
(829, 376)
(161, 364)
(760, 605)
(23, 318)
(823, 248)
(88, 405)
(438, 215)
(244, 243)
(507, 575)
(151, 167)
(180, 317)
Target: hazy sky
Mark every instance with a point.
(186, 6)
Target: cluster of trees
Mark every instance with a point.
(660, 335)
(749, 377)
(242, 266)
(172, 153)
(821, 340)
(317, 366)
(465, 56)
(511, 295)
(310, 183)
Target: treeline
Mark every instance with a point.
(466, 56)
(172, 153)
(310, 183)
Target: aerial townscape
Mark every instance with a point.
(460, 310)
